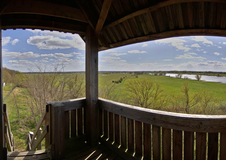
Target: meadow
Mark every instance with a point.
(109, 88)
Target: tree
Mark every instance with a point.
(144, 92)
(188, 100)
(198, 77)
(55, 86)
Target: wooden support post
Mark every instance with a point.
(47, 123)
(2, 153)
(58, 131)
(91, 110)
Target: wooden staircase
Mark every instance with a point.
(28, 155)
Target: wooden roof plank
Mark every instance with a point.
(201, 15)
(180, 16)
(169, 17)
(150, 18)
(212, 16)
(190, 15)
(44, 8)
(155, 7)
(103, 15)
(219, 12)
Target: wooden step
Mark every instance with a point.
(28, 155)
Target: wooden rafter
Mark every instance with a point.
(3, 5)
(103, 15)
(91, 23)
(155, 7)
(175, 33)
(44, 8)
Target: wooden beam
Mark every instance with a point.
(155, 7)
(44, 8)
(91, 109)
(2, 154)
(103, 15)
(167, 34)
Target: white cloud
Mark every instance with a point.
(23, 62)
(216, 53)
(176, 42)
(136, 51)
(13, 42)
(144, 45)
(167, 59)
(118, 54)
(188, 56)
(219, 47)
(224, 42)
(19, 55)
(204, 51)
(202, 39)
(51, 42)
(5, 40)
(192, 53)
(111, 50)
(195, 45)
(224, 59)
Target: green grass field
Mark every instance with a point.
(171, 86)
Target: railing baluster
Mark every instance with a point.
(73, 123)
(47, 123)
(177, 144)
(111, 126)
(131, 134)
(188, 145)
(166, 143)
(156, 142)
(200, 146)
(79, 121)
(117, 140)
(101, 121)
(222, 145)
(212, 146)
(138, 137)
(66, 124)
(106, 124)
(123, 131)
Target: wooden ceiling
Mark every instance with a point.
(118, 22)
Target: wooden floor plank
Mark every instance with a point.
(40, 157)
(25, 153)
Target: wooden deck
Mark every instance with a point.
(76, 148)
(28, 155)
(80, 150)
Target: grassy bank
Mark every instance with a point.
(171, 86)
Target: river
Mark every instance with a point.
(203, 78)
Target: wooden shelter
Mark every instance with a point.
(105, 24)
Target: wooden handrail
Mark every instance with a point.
(171, 120)
(154, 134)
(70, 104)
(8, 134)
(39, 125)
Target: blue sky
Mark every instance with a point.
(28, 50)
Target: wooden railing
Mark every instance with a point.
(136, 132)
(8, 136)
(60, 121)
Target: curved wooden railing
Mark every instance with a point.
(152, 134)
(60, 121)
(8, 136)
